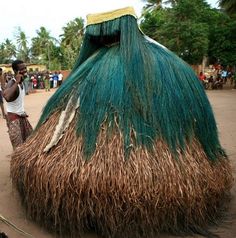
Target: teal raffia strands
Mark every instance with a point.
(138, 84)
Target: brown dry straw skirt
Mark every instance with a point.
(138, 197)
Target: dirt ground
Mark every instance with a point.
(224, 106)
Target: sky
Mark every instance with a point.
(30, 15)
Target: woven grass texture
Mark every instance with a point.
(148, 193)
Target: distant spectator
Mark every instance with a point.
(202, 76)
(51, 80)
(35, 82)
(31, 87)
(218, 83)
(60, 79)
(47, 82)
(211, 80)
(26, 83)
(40, 81)
(224, 75)
(55, 79)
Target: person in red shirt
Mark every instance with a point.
(202, 76)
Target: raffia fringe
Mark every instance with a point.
(149, 192)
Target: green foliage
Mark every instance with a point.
(43, 46)
(73, 31)
(153, 21)
(182, 28)
(7, 51)
(71, 42)
(23, 50)
(229, 6)
(189, 28)
(223, 39)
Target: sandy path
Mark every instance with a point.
(224, 106)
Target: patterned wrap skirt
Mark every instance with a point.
(19, 128)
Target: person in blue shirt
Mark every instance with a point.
(55, 79)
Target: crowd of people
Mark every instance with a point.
(217, 77)
(39, 80)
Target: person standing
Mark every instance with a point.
(51, 79)
(55, 79)
(26, 84)
(224, 75)
(47, 82)
(202, 76)
(19, 127)
(2, 85)
(60, 79)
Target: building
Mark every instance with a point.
(30, 67)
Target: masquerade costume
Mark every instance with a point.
(128, 143)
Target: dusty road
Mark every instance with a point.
(224, 106)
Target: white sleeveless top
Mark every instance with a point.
(17, 106)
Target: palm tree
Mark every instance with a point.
(71, 41)
(152, 4)
(22, 45)
(228, 5)
(155, 4)
(2, 54)
(10, 50)
(72, 31)
(42, 45)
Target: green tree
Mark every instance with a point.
(184, 33)
(222, 38)
(156, 4)
(153, 21)
(42, 47)
(71, 40)
(23, 50)
(228, 5)
(56, 57)
(152, 5)
(72, 31)
(7, 51)
(3, 57)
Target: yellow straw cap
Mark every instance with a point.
(111, 15)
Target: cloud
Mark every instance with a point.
(52, 14)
